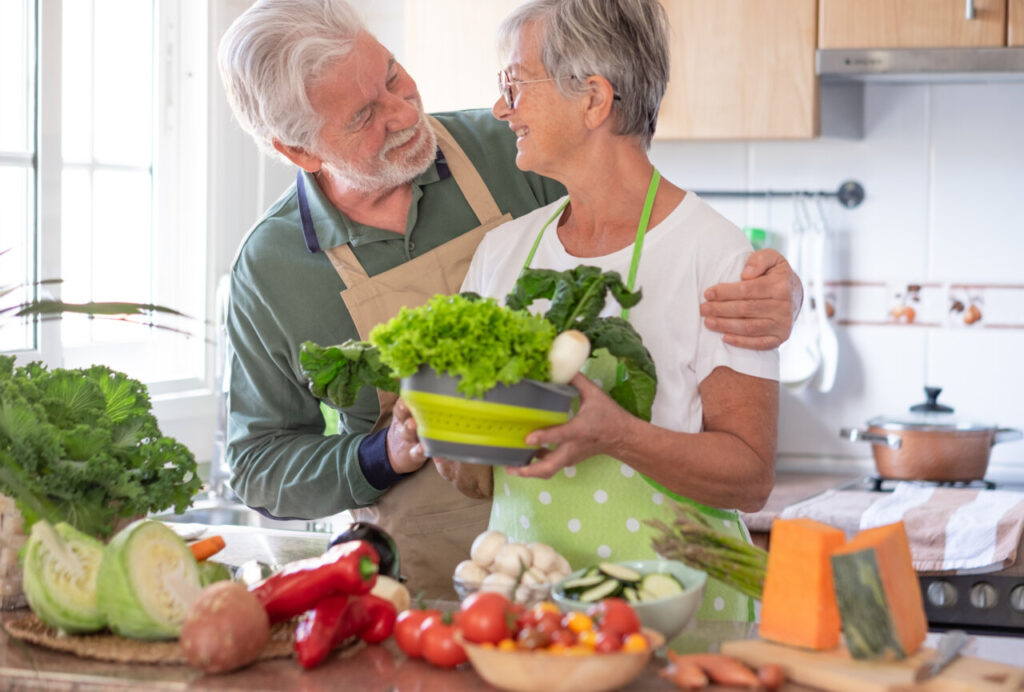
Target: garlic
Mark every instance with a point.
(486, 546)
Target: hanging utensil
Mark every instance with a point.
(799, 356)
(828, 342)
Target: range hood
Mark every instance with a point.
(922, 64)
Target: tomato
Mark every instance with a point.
(616, 616)
(563, 637)
(607, 642)
(407, 630)
(437, 640)
(485, 618)
(549, 622)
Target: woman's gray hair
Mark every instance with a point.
(624, 41)
(272, 54)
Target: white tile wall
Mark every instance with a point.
(943, 169)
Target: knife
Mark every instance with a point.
(950, 645)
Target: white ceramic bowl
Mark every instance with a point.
(667, 615)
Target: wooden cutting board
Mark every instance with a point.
(836, 671)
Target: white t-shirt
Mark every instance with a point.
(692, 249)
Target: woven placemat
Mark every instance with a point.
(110, 647)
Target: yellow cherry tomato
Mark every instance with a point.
(578, 622)
(558, 649)
(587, 639)
(635, 642)
(507, 645)
(546, 607)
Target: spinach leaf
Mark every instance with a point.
(337, 373)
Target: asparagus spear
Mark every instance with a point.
(691, 539)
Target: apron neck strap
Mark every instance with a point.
(638, 243)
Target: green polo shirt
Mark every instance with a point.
(282, 294)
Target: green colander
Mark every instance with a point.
(490, 430)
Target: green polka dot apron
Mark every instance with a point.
(596, 510)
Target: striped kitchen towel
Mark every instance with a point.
(950, 529)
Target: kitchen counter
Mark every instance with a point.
(383, 667)
(364, 668)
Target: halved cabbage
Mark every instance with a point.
(147, 581)
(60, 569)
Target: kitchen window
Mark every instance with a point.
(103, 136)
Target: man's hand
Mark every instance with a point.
(405, 452)
(472, 480)
(758, 311)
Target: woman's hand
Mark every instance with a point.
(758, 311)
(599, 427)
(405, 452)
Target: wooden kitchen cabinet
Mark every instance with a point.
(913, 23)
(739, 69)
(1015, 23)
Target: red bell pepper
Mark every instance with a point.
(382, 616)
(348, 568)
(337, 618)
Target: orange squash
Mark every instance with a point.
(799, 602)
(879, 594)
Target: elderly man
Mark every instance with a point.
(387, 209)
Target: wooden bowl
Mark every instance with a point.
(540, 671)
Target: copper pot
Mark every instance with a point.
(930, 443)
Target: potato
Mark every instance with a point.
(226, 628)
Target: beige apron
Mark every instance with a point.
(432, 522)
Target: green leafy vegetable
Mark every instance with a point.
(82, 446)
(484, 344)
(577, 298)
(337, 373)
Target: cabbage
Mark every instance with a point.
(60, 568)
(147, 581)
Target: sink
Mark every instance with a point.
(240, 515)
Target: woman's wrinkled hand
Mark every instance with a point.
(599, 427)
(472, 480)
(758, 311)
(405, 451)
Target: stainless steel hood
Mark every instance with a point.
(922, 64)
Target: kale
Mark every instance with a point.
(82, 446)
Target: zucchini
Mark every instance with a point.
(606, 589)
(581, 583)
(631, 595)
(660, 585)
(624, 574)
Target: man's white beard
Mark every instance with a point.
(390, 174)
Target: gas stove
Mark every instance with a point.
(985, 603)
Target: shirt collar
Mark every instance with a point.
(333, 228)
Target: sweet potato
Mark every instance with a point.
(226, 628)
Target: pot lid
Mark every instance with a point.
(930, 415)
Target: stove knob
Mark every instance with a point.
(1017, 598)
(984, 595)
(942, 594)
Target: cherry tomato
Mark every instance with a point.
(485, 618)
(616, 616)
(607, 642)
(533, 638)
(407, 630)
(563, 637)
(437, 641)
(548, 622)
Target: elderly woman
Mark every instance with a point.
(581, 90)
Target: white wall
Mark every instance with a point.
(943, 168)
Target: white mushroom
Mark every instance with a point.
(534, 577)
(512, 559)
(544, 556)
(470, 573)
(486, 546)
(499, 583)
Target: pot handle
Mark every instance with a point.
(1006, 435)
(892, 441)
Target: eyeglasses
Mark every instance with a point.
(506, 85)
